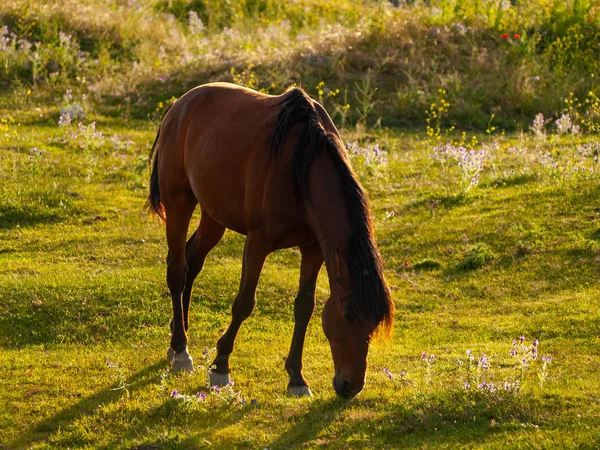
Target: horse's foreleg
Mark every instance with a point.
(255, 253)
(178, 214)
(304, 305)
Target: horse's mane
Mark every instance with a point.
(370, 302)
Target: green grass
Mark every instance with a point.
(492, 58)
(85, 308)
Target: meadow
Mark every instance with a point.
(472, 125)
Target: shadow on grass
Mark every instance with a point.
(85, 407)
(11, 217)
(435, 202)
(450, 418)
(511, 180)
(307, 427)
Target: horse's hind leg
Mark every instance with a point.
(255, 253)
(179, 210)
(208, 235)
(204, 239)
(304, 305)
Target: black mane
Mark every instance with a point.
(370, 302)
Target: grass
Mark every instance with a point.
(486, 236)
(511, 62)
(85, 309)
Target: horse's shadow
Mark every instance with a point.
(85, 407)
(307, 427)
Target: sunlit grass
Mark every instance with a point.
(82, 285)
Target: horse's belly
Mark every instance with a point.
(219, 191)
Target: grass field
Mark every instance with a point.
(490, 238)
(85, 309)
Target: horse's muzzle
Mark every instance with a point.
(343, 387)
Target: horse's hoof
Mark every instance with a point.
(170, 354)
(218, 379)
(183, 362)
(299, 391)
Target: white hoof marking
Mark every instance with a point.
(299, 391)
(170, 354)
(183, 362)
(218, 379)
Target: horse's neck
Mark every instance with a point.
(327, 209)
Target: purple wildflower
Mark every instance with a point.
(388, 373)
(216, 389)
(402, 373)
(174, 393)
(201, 396)
(467, 385)
(423, 355)
(514, 352)
(536, 343)
(522, 338)
(484, 362)
(546, 358)
(431, 358)
(253, 401)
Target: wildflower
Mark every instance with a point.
(174, 393)
(431, 358)
(517, 36)
(505, 36)
(402, 373)
(462, 29)
(546, 359)
(388, 373)
(522, 339)
(484, 362)
(195, 23)
(216, 389)
(469, 352)
(536, 343)
(231, 383)
(467, 385)
(423, 355)
(564, 124)
(201, 396)
(253, 401)
(64, 120)
(514, 352)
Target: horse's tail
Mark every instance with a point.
(153, 201)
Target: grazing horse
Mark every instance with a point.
(272, 168)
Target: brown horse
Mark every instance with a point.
(272, 168)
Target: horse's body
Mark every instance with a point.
(272, 168)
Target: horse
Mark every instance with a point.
(275, 169)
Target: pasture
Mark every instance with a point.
(486, 215)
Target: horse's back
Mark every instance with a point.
(219, 135)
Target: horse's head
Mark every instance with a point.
(349, 334)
